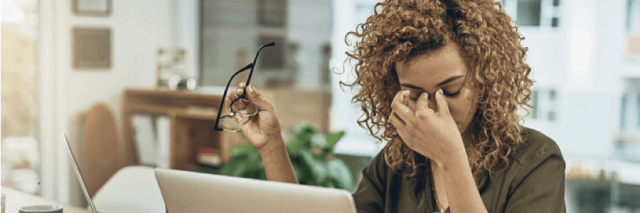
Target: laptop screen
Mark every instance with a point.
(79, 175)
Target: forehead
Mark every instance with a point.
(433, 67)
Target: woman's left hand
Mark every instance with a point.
(434, 134)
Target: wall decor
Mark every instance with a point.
(91, 48)
(91, 7)
(272, 13)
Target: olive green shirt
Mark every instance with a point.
(533, 182)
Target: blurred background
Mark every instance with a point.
(139, 82)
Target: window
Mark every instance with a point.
(630, 107)
(232, 30)
(545, 104)
(633, 16)
(21, 164)
(529, 12)
(534, 13)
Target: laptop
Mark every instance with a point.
(185, 191)
(79, 175)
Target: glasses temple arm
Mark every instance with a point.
(224, 95)
(256, 58)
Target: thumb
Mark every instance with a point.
(258, 99)
(441, 102)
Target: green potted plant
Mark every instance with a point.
(311, 155)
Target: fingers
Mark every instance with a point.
(422, 105)
(404, 95)
(407, 101)
(245, 119)
(258, 99)
(443, 107)
(401, 110)
(240, 90)
(231, 95)
(393, 118)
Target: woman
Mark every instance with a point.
(441, 81)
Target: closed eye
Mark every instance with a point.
(452, 94)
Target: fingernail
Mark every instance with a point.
(440, 91)
(251, 89)
(239, 91)
(241, 84)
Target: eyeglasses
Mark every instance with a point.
(241, 106)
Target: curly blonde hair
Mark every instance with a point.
(490, 46)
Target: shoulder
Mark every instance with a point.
(378, 163)
(537, 148)
(538, 171)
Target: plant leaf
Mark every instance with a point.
(332, 140)
(241, 149)
(318, 169)
(304, 137)
(228, 168)
(340, 172)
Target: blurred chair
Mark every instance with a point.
(103, 153)
(131, 189)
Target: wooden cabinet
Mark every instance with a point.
(192, 116)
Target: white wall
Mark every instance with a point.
(138, 29)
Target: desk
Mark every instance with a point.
(16, 200)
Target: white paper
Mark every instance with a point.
(164, 141)
(145, 139)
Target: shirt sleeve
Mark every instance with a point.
(540, 185)
(369, 194)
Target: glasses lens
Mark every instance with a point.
(230, 123)
(244, 107)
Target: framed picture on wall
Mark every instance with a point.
(91, 7)
(91, 48)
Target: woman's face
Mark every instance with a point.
(441, 68)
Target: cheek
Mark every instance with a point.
(461, 109)
(457, 110)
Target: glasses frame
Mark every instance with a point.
(243, 96)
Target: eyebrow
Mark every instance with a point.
(438, 85)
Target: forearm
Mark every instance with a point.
(276, 161)
(462, 192)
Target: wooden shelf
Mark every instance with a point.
(192, 116)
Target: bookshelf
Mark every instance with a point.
(192, 116)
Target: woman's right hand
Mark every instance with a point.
(262, 128)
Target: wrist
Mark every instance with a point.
(453, 161)
(274, 145)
